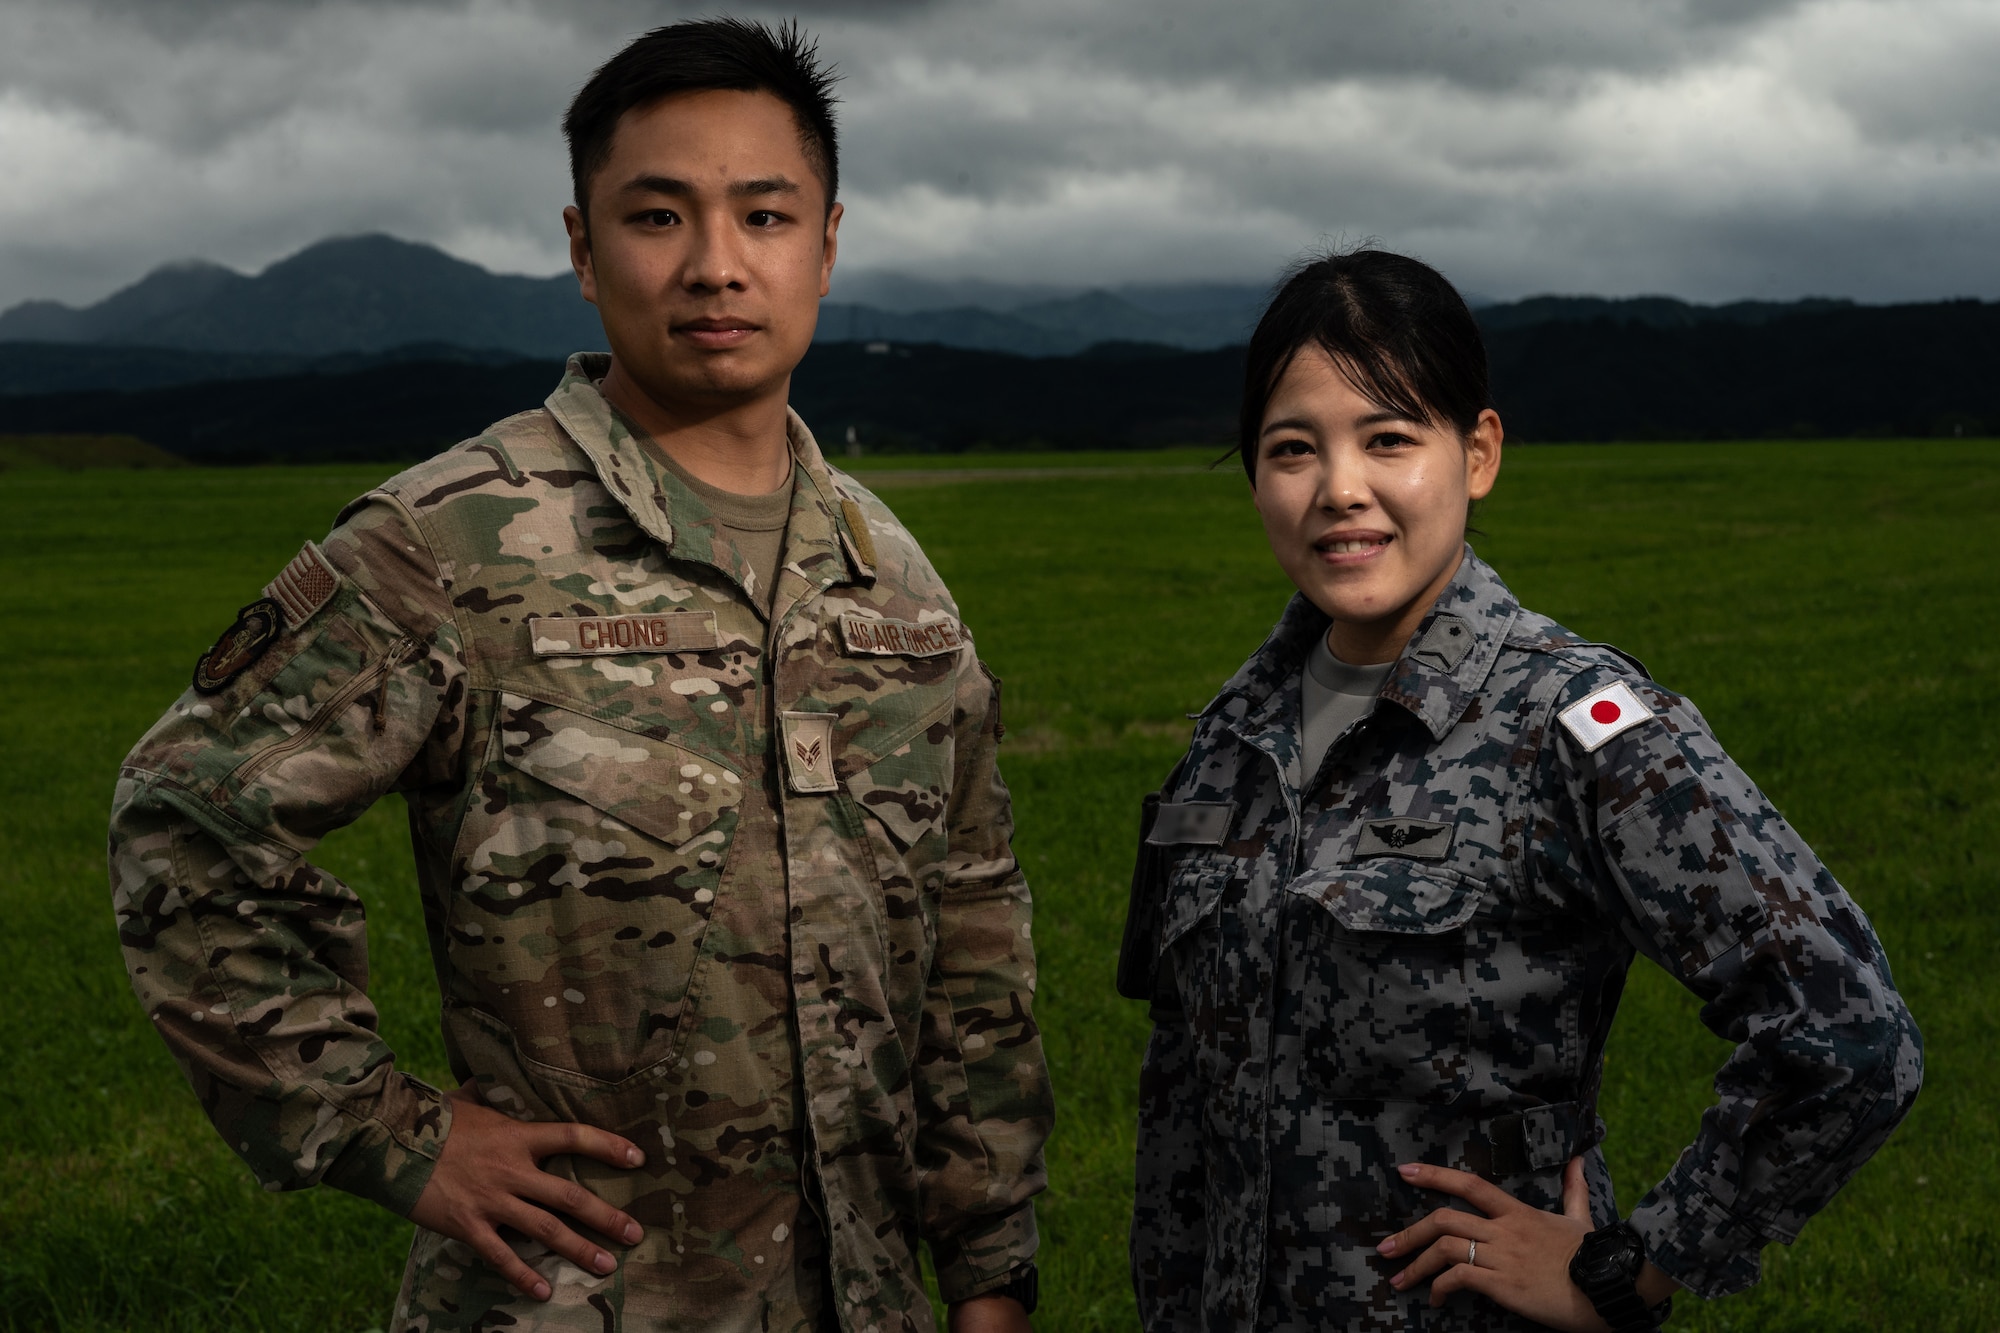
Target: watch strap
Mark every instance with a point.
(1614, 1293)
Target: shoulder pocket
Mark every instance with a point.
(905, 779)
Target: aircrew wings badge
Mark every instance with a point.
(1602, 714)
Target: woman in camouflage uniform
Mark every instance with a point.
(1386, 903)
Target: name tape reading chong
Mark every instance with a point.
(591, 636)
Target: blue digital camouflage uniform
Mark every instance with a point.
(1414, 954)
(733, 883)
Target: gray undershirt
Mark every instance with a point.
(1333, 695)
(754, 524)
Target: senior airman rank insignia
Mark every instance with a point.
(808, 744)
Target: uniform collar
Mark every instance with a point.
(1437, 677)
(1447, 660)
(817, 541)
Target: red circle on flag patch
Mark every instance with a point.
(1604, 712)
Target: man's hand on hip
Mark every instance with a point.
(489, 1176)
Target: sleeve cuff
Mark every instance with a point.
(389, 1159)
(975, 1261)
(1696, 1241)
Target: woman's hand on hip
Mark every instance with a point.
(1516, 1255)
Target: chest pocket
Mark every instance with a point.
(1384, 949)
(1195, 880)
(593, 856)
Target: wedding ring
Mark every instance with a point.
(1472, 1253)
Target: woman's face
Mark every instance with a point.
(1365, 509)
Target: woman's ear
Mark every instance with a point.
(1482, 455)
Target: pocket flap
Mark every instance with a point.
(657, 787)
(1393, 896)
(1194, 885)
(906, 790)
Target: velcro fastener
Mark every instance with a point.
(1541, 1137)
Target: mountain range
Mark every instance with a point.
(371, 294)
(377, 296)
(373, 348)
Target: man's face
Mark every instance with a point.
(708, 248)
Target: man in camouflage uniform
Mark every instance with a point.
(715, 864)
(1413, 952)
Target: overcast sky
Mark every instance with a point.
(1711, 149)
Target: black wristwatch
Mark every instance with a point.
(1607, 1267)
(1023, 1285)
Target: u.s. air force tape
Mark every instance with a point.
(900, 638)
(600, 636)
(1191, 823)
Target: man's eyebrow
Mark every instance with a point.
(668, 185)
(676, 188)
(763, 185)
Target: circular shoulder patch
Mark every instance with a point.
(257, 627)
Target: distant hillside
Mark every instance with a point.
(924, 397)
(71, 453)
(1660, 312)
(357, 294)
(373, 293)
(1844, 371)
(376, 296)
(57, 367)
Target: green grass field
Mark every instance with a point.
(1830, 606)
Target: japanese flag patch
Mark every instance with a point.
(1602, 714)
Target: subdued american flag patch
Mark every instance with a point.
(1602, 714)
(303, 586)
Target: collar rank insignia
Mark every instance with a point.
(1444, 644)
(1417, 839)
(257, 627)
(1602, 714)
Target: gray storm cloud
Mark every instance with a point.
(1708, 148)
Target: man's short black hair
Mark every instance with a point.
(695, 57)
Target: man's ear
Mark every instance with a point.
(829, 246)
(579, 252)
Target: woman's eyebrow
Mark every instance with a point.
(1287, 423)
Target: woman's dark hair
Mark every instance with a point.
(696, 57)
(1392, 324)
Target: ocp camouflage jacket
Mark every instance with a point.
(1414, 954)
(739, 889)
